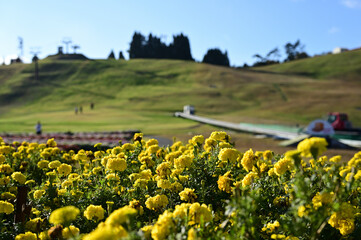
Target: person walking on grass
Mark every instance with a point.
(38, 128)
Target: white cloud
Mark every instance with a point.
(351, 3)
(333, 30)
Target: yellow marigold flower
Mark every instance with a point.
(172, 155)
(183, 161)
(343, 220)
(177, 187)
(61, 192)
(97, 145)
(163, 227)
(138, 137)
(64, 215)
(164, 170)
(345, 171)
(271, 227)
(358, 175)
(225, 182)
(295, 155)
(152, 149)
(181, 211)
(147, 161)
(112, 177)
(19, 177)
(141, 183)
(176, 145)
(199, 213)
(248, 179)
(4, 180)
(51, 142)
(38, 194)
(157, 202)
(2, 158)
(70, 232)
(278, 236)
(16, 155)
(96, 170)
(164, 184)
(147, 230)
(106, 232)
(268, 155)
(26, 236)
(5, 149)
(182, 178)
(282, 166)
(33, 225)
(81, 156)
(301, 211)
(8, 196)
(335, 159)
(263, 167)
(248, 160)
(54, 164)
(30, 182)
(6, 207)
(197, 140)
(98, 154)
(151, 142)
(188, 195)
(117, 164)
(44, 236)
(312, 147)
(73, 176)
(224, 145)
(42, 164)
(5, 168)
(220, 136)
(64, 169)
(192, 234)
(94, 212)
(127, 147)
(137, 206)
(210, 143)
(120, 216)
(228, 155)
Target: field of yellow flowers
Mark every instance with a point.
(205, 189)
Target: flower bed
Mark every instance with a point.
(205, 189)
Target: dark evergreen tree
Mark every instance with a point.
(121, 57)
(153, 47)
(216, 57)
(137, 46)
(111, 55)
(180, 48)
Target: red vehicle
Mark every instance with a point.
(339, 121)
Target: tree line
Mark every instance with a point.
(153, 47)
(179, 48)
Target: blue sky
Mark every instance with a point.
(242, 27)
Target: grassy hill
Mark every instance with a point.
(346, 66)
(144, 94)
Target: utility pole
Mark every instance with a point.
(75, 47)
(21, 46)
(67, 41)
(35, 60)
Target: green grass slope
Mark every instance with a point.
(144, 94)
(346, 66)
